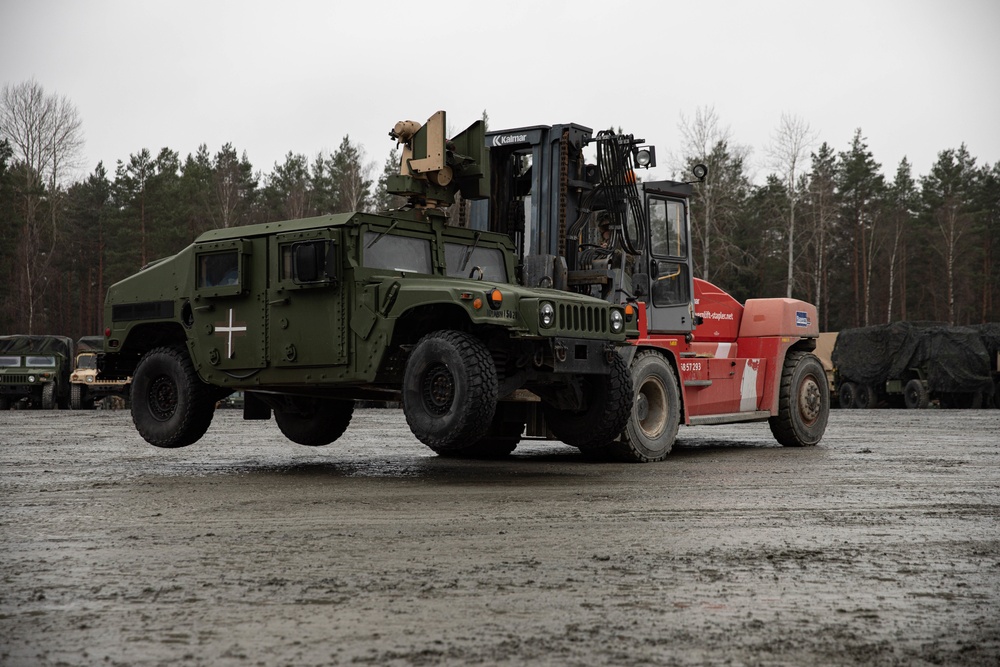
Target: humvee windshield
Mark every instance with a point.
(10, 362)
(397, 253)
(40, 361)
(88, 361)
(462, 264)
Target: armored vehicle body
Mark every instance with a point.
(34, 371)
(306, 316)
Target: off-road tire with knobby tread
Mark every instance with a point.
(607, 409)
(501, 438)
(450, 390)
(656, 411)
(314, 422)
(171, 406)
(49, 396)
(803, 401)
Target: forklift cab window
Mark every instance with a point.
(667, 228)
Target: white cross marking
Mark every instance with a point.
(230, 330)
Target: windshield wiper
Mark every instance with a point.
(379, 237)
(468, 253)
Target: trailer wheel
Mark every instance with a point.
(171, 406)
(449, 390)
(606, 411)
(865, 397)
(803, 401)
(915, 395)
(656, 411)
(846, 395)
(314, 422)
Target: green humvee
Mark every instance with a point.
(305, 316)
(34, 370)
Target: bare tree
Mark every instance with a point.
(45, 134)
(788, 151)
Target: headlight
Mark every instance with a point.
(547, 314)
(90, 378)
(31, 378)
(617, 321)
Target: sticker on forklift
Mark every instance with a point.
(801, 318)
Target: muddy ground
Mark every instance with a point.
(878, 547)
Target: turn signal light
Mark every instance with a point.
(495, 298)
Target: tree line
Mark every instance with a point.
(825, 226)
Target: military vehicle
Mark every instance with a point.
(582, 220)
(306, 316)
(87, 385)
(34, 371)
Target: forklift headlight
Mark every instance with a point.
(645, 157)
(617, 321)
(547, 314)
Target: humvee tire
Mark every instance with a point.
(49, 396)
(449, 390)
(314, 422)
(607, 409)
(501, 437)
(171, 406)
(802, 403)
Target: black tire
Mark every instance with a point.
(915, 395)
(49, 396)
(865, 397)
(4, 403)
(607, 409)
(449, 390)
(500, 439)
(847, 395)
(171, 406)
(803, 402)
(314, 422)
(78, 398)
(656, 411)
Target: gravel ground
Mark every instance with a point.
(877, 547)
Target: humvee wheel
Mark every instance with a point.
(78, 398)
(656, 412)
(171, 406)
(607, 409)
(49, 396)
(314, 422)
(449, 390)
(803, 402)
(500, 439)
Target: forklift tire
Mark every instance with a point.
(171, 406)
(656, 411)
(915, 395)
(607, 410)
(314, 422)
(846, 395)
(803, 401)
(450, 390)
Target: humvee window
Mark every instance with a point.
(41, 361)
(218, 269)
(397, 253)
(461, 263)
(285, 268)
(10, 362)
(88, 361)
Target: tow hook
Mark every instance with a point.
(560, 351)
(609, 353)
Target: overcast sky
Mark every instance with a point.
(917, 76)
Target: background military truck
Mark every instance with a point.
(34, 371)
(907, 364)
(87, 385)
(305, 316)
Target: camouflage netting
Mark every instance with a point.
(990, 335)
(22, 345)
(952, 359)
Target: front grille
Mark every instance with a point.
(583, 319)
(14, 379)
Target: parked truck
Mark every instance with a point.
(87, 385)
(914, 365)
(307, 316)
(582, 220)
(34, 371)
